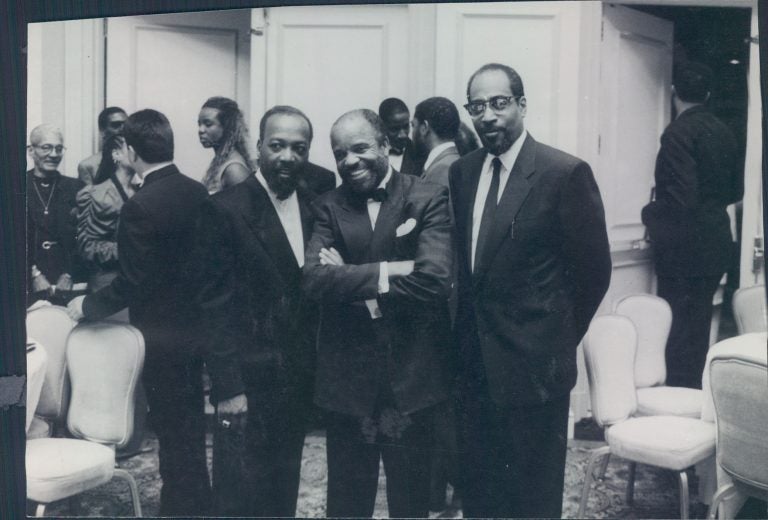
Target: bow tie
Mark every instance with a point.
(378, 195)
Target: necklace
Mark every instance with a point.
(50, 196)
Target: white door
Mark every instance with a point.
(326, 60)
(173, 63)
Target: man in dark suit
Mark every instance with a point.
(403, 156)
(534, 265)
(317, 179)
(155, 234)
(435, 126)
(698, 174)
(259, 329)
(379, 261)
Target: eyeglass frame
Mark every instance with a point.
(486, 103)
(47, 149)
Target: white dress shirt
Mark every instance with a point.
(373, 214)
(396, 161)
(138, 179)
(437, 150)
(508, 159)
(290, 218)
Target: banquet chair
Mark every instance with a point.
(737, 378)
(36, 362)
(50, 327)
(105, 362)
(670, 442)
(749, 309)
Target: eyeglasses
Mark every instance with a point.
(48, 148)
(497, 104)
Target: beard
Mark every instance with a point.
(282, 185)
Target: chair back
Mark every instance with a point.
(609, 352)
(51, 326)
(105, 362)
(749, 309)
(652, 317)
(737, 377)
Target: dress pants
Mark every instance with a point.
(513, 458)
(177, 415)
(688, 342)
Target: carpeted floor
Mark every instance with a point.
(655, 490)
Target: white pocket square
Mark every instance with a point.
(406, 227)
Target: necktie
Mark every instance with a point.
(379, 195)
(489, 211)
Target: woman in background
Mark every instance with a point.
(221, 126)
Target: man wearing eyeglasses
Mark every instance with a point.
(533, 266)
(111, 121)
(51, 222)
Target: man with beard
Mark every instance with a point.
(51, 221)
(435, 125)
(534, 265)
(380, 261)
(110, 121)
(258, 329)
(397, 120)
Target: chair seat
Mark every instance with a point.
(665, 441)
(669, 400)
(39, 428)
(58, 468)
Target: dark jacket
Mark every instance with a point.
(536, 286)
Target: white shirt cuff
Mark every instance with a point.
(383, 278)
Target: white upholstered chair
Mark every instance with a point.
(50, 327)
(36, 362)
(671, 442)
(749, 309)
(737, 376)
(105, 362)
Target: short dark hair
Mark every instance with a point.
(371, 117)
(149, 133)
(442, 115)
(391, 106)
(104, 116)
(283, 110)
(515, 81)
(692, 81)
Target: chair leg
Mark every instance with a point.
(40, 510)
(589, 476)
(683, 481)
(722, 493)
(124, 475)
(631, 483)
(604, 467)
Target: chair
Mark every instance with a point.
(749, 309)
(105, 362)
(36, 362)
(50, 326)
(665, 441)
(737, 378)
(652, 318)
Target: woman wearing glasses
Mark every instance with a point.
(221, 126)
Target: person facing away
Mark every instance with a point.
(379, 261)
(397, 119)
(435, 126)
(154, 238)
(52, 260)
(534, 265)
(221, 126)
(110, 122)
(259, 329)
(698, 174)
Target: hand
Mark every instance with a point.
(233, 406)
(75, 308)
(401, 268)
(330, 257)
(64, 282)
(40, 283)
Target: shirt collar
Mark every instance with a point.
(509, 157)
(437, 150)
(139, 179)
(385, 180)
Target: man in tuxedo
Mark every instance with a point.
(259, 329)
(379, 261)
(698, 174)
(435, 125)
(110, 121)
(317, 179)
(397, 120)
(534, 265)
(155, 234)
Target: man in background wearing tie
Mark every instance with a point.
(534, 265)
(379, 261)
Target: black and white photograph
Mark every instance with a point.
(426, 260)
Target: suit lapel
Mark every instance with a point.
(387, 221)
(305, 199)
(355, 227)
(471, 179)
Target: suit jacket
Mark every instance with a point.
(316, 179)
(437, 171)
(415, 315)
(253, 312)
(698, 174)
(154, 237)
(412, 164)
(540, 279)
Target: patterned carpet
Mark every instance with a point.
(655, 490)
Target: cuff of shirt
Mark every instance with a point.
(383, 278)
